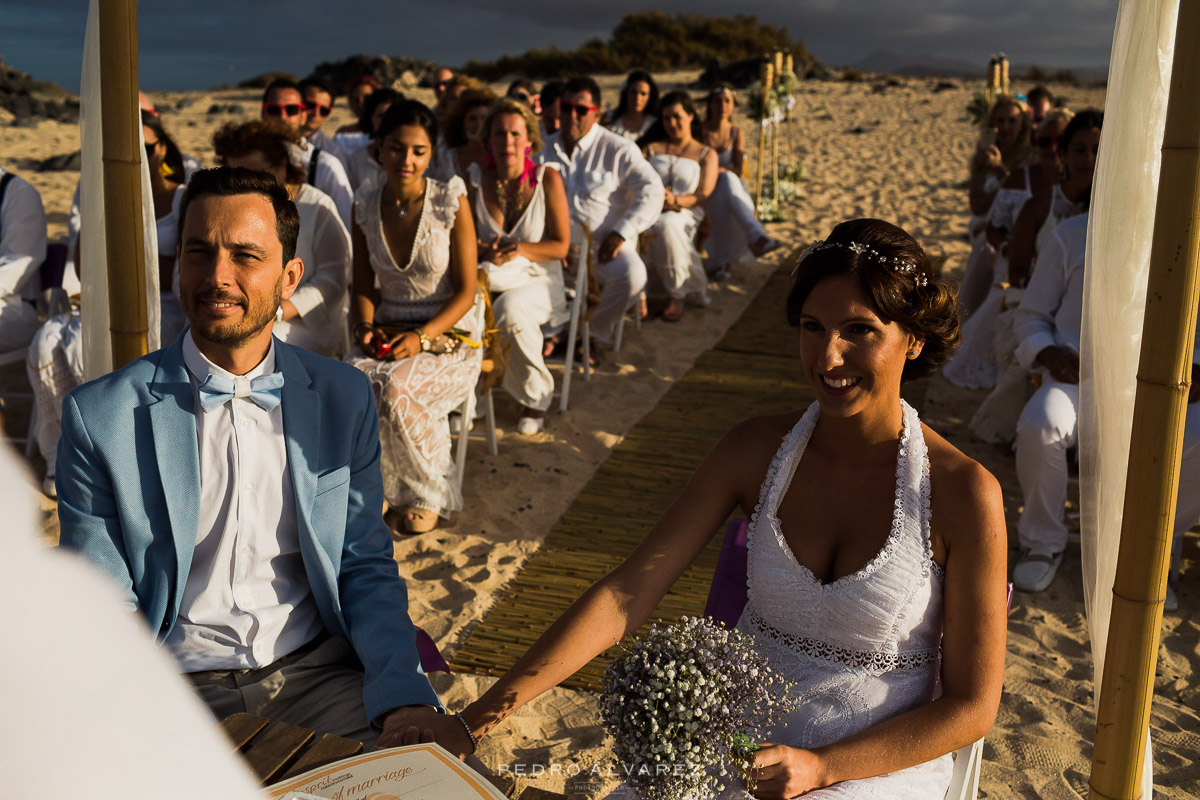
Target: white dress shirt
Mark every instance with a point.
(320, 139)
(247, 600)
(22, 239)
(610, 185)
(1051, 310)
(331, 177)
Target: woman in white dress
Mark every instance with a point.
(315, 316)
(974, 363)
(873, 541)
(1003, 146)
(462, 138)
(524, 230)
(637, 108)
(414, 235)
(735, 236)
(688, 169)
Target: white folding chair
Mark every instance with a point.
(964, 781)
(466, 413)
(578, 324)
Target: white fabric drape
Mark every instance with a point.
(1120, 231)
(97, 344)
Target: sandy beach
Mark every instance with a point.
(869, 148)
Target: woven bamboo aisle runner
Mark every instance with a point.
(754, 370)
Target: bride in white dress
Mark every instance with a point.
(873, 539)
(688, 169)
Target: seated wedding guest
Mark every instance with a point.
(976, 362)
(22, 251)
(548, 99)
(355, 135)
(524, 230)
(1040, 102)
(318, 105)
(1049, 325)
(873, 544)
(462, 139)
(455, 87)
(613, 191)
(416, 336)
(314, 317)
(1004, 145)
(54, 366)
(688, 169)
(282, 100)
(363, 165)
(229, 485)
(637, 107)
(442, 78)
(144, 729)
(735, 235)
(168, 176)
(1069, 196)
(523, 91)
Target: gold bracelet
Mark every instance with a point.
(426, 345)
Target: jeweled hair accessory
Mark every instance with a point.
(896, 263)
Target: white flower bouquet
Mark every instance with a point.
(686, 703)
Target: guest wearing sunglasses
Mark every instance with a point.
(283, 100)
(355, 136)
(523, 91)
(613, 191)
(318, 103)
(548, 99)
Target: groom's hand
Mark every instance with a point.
(416, 724)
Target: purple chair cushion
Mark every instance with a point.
(727, 597)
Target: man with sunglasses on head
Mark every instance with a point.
(318, 104)
(612, 190)
(284, 100)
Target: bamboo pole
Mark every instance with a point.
(766, 78)
(122, 181)
(1164, 370)
(788, 69)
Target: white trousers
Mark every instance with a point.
(1047, 428)
(672, 254)
(18, 323)
(733, 225)
(521, 312)
(621, 280)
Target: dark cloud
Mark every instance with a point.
(198, 44)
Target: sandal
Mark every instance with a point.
(673, 312)
(419, 520)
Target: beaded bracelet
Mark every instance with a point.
(467, 728)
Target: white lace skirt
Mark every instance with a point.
(414, 397)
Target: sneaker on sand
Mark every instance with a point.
(1035, 570)
(527, 426)
(1171, 603)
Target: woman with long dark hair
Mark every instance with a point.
(637, 106)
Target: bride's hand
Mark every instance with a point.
(782, 772)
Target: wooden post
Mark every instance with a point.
(123, 181)
(1163, 379)
(1005, 87)
(993, 79)
(788, 69)
(767, 77)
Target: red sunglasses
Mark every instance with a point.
(577, 110)
(282, 110)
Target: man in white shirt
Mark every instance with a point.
(22, 251)
(612, 190)
(318, 105)
(230, 486)
(282, 99)
(1049, 324)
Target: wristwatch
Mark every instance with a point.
(426, 345)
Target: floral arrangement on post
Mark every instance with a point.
(684, 704)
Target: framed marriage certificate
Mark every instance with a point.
(415, 772)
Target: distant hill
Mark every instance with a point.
(655, 41)
(888, 62)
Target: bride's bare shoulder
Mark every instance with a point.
(962, 486)
(756, 437)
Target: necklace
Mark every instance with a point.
(401, 204)
(512, 201)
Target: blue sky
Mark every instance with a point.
(189, 45)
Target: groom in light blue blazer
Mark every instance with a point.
(230, 485)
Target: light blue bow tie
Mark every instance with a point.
(266, 390)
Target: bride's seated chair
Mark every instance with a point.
(727, 599)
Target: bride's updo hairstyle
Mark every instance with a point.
(895, 276)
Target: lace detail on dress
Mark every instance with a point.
(872, 662)
(443, 199)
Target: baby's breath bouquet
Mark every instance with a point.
(685, 704)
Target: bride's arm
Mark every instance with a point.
(969, 514)
(619, 603)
